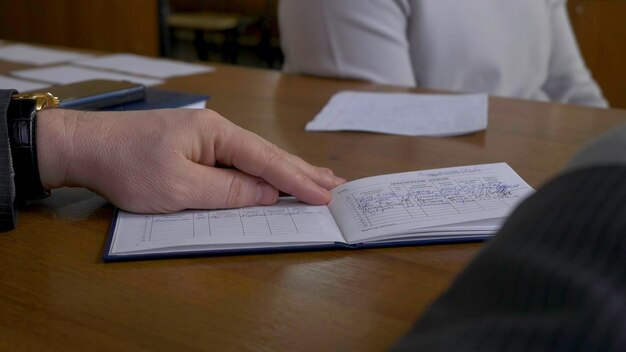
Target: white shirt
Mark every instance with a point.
(513, 48)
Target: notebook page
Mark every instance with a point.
(288, 221)
(383, 206)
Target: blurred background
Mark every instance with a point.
(245, 32)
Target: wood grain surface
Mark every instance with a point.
(57, 294)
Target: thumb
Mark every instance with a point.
(213, 188)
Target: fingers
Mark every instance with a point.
(256, 156)
(320, 175)
(211, 188)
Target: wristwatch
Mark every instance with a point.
(22, 127)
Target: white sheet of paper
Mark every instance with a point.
(28, 54)
(145, 66)
(403, 113)
(65, 74)
(20, 85)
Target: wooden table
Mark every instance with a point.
(56, 293)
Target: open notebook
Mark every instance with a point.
(444, 205)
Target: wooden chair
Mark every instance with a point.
(230, 25)
(227, 24)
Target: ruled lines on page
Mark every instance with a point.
(397, 203)
(286, 222)
(256, 221)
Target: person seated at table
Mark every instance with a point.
(524, 49)
(155, 161)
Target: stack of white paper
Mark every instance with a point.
(32, 55)
(66, 74)
(20, 85)
(145, 66)
(403, 113)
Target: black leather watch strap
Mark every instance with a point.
(22, 126)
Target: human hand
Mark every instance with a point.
(164, 160)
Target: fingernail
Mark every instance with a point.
(328, 196)
(340, 180)
(265, 193)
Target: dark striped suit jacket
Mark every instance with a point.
(553, 278)
(7, 186)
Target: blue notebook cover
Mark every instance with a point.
(162, 99)
(447, 205)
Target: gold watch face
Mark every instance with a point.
(42, 100)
